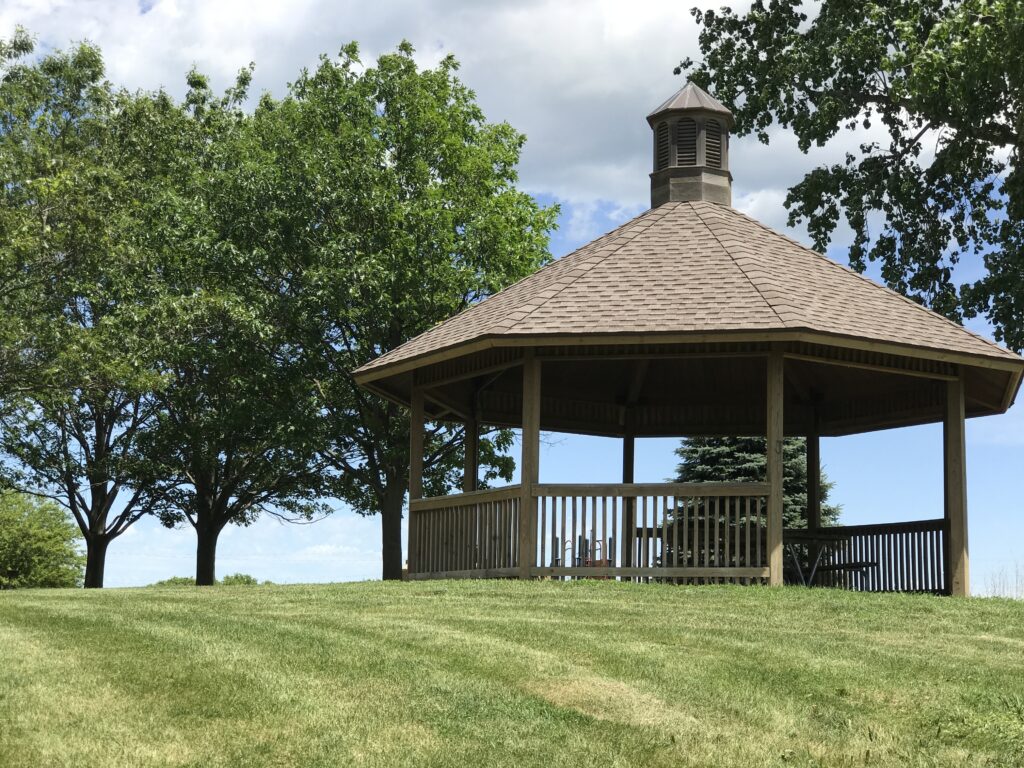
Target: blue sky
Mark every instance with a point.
(577, 76)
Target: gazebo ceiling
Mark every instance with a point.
(662, 326)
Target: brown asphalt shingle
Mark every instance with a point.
(696, 267)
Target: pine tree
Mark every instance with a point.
(743, 459)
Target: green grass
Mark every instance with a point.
(508, 674)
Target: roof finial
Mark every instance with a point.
(691, 149)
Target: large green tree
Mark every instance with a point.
(38, 544)
(237, 431)
(744, 460)
(396, 203)
(941, 177)
(77, 390)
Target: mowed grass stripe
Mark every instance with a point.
(541, 673)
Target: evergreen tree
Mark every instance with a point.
(743, 460)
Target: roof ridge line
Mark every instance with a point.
(750, 280)
(628, 226)
(869, 281)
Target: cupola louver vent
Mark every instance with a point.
(713, 144)
(686, 142)
(662, 147)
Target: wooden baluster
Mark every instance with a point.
(572, 563)
(665, 549)
(727, 531)
(759, 528)
(562, 548)
(736, 532)
(678, 506)
(605, 549)
(746, 534)
(615, 530)
(924, 544)
(684, 544)
(646, 551)
(543, 530)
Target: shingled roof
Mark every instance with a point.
(695, 267)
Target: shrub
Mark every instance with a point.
(231, 580)
(39, 545)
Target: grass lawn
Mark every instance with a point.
(508, 674)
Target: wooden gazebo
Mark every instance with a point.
(692, 319)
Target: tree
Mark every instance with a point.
(396, 203)
(38, 544)
(946, 181)
(72, 155)
(744, 460)
(237, 431)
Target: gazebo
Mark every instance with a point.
(690, 320)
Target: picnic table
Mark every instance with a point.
(818, 541)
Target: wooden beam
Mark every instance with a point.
(651, 489)
(449, 407)
(869, 367)
(416, 426)
(814, 473)
(774, 432)
(471, 467)
(529, 465)
(812, 337)
(416, 444)
(599, 571)
(629, 506)
(954, 450)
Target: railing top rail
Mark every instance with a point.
(465, 499)
(906, 526)
(630, 490)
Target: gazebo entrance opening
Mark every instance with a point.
(684, 532)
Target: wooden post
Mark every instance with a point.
(471, 469)
(774, 459)
(415, 471)
(416, 444)
(955, 454)
(628, 504)
(529, 466)
(814, 473)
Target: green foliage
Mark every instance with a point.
(231, 580)
(38, 544)
(240, 580)
(175, 581)
(939, 77)
(192, 284)
(396, 203)
(75, 156)
(743, 460)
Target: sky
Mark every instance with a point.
(577, 77)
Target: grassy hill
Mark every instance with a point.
(507, 673)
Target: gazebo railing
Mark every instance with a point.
(683, 532)
(881, 557)
(468, 535)
(688, 533)
(680, 532)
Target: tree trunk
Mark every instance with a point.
(206, 554)
(391, 531)
(95, 560)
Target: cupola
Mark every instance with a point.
(691, 149)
